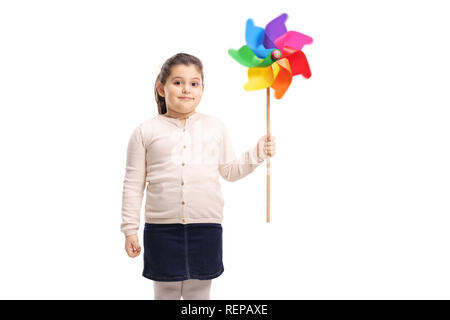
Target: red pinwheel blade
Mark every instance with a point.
(297, 61)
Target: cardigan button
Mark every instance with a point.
(182, 164)
(182, 202)
(182, 220)
(182, 183)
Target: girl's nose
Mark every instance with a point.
(185, 89)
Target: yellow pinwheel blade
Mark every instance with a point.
(260, 78)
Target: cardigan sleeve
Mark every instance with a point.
(134, 183)
(232, 168)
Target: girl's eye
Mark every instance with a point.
(195, 84)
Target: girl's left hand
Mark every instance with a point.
(266, 147)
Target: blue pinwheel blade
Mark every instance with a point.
(254, 37)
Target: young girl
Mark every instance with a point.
(179, 155)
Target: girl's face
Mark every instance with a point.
(182, 91)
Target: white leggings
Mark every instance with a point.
(191, 289)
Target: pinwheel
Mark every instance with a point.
(273, 56)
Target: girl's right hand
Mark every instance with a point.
(266, 147)
(132, 246)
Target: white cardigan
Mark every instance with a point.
(180, 166)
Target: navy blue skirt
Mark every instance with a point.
(176, 252)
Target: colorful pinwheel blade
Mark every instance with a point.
(275, 29)
(245, 56)
(297, 61)
(293, 39)
(283, 79)
(260, 78)
(254, 38)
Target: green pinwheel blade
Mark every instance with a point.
(247, 58)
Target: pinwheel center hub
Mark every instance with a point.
(276, 54)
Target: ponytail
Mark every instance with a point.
(160, 101)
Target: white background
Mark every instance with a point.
(360, 180)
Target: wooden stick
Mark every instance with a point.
(268, 157)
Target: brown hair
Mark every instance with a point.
(179, 58)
